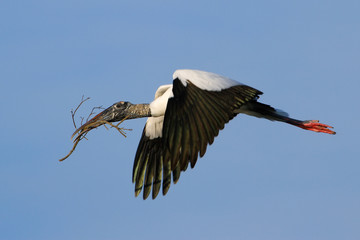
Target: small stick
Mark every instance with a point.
(74, 112)
(71, 151)
(81, 135)
(93, 112)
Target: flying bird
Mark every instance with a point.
(184, 119)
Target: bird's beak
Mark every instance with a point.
(98, 120)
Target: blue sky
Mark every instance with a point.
(259, 180)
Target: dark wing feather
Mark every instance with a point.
(148, 159)
(193, 118)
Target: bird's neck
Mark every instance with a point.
(138, 111)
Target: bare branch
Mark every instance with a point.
(81, 133)
(93, 112)
(72, 150)
(74, 112)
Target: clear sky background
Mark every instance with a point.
(259, 180)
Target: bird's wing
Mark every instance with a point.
(161, 90)
(148, 164)
(149, 152)
(200, 106)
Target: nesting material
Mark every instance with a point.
(81, 132)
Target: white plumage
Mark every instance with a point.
(162, 95)
(204, 80)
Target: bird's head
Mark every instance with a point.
(116, 112)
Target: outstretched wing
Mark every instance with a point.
(201, 105)
(194, 117)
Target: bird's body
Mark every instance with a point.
(184, 119)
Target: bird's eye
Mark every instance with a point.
(119, 104)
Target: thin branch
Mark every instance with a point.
(93, 112)
(72, 150)
(81, 133)
(74, 112)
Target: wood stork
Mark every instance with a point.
(183, 119)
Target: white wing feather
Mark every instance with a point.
(205, 80)
(153, 127)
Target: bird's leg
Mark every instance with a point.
(312, 125)
(261, 110)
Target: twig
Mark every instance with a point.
(81, 133)
(72, 150)
(74, 112)
(93, 112)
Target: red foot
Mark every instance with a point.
(314, 125)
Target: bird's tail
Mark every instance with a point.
(257, 109)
